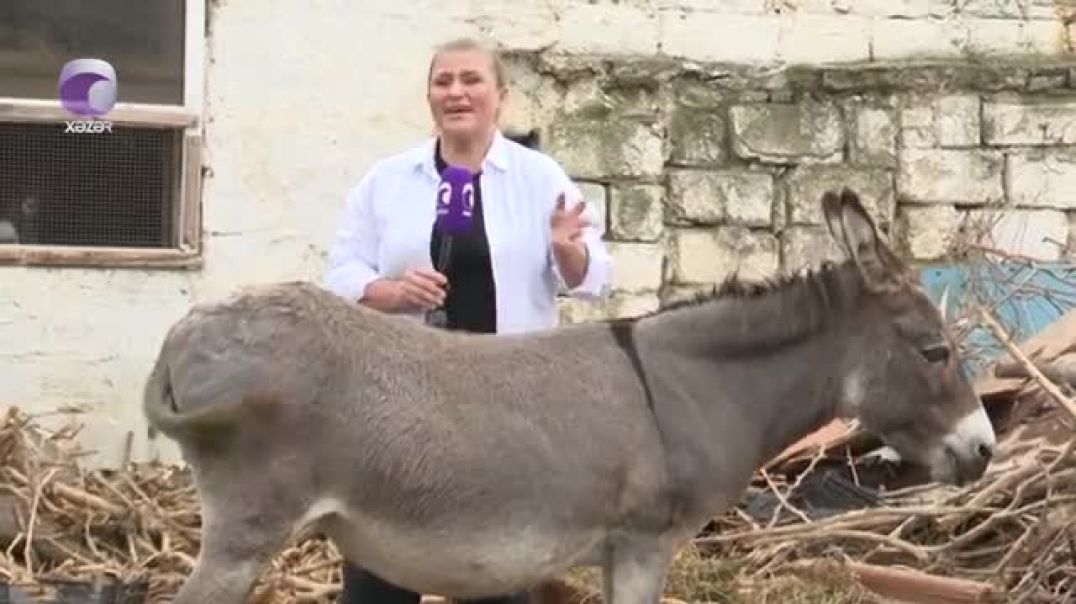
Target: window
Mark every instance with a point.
(118, 189)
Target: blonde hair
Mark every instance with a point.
(500, 74)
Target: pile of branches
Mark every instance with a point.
(137, 527)
(1014, 531)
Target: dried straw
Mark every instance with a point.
(140, 524)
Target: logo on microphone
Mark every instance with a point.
(88, 90)
(444, 196)
(445, 193)
(455, 201)
(468, 199)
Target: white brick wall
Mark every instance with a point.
(732, 38)
(792, 32)
(1014, 37)
(818, 39)
(871, 8)
(909, 39)
(608, 29)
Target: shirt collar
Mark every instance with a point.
(496, 157)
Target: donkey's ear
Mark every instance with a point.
(853, 228)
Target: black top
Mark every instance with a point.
(470, 300)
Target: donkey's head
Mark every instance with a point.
(902, 373)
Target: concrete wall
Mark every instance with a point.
(712, 160)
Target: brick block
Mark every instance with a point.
(636, 212)
(1042, 178)
(707, 256)
(817, 38)
(1015, 121)
(785, 133)
(601, 149)
(805, 247)
(608, 29)
(805, 186)
(916, 38)
(697, 137)
(950, 176)
(927, 231)
(875, 139)
(720, 37)
(637, 267)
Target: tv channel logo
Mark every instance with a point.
(88, 90)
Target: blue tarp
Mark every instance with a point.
(1025, 298)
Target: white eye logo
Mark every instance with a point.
(444, 194)
(468, 199)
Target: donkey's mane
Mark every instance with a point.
(735, 287)
(752, 316)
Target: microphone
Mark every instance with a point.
(455, 207)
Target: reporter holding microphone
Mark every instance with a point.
(512, 232)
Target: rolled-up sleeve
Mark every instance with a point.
(596, 281)
(352, 258)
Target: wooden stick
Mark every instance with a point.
(81, 497)
(783, 502)
(32, 522)
(1067, 403)
(1059, 371)
(855, 518)
(919, 553)
(914, 586)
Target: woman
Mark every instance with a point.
(527, 242)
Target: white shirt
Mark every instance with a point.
(388, 217)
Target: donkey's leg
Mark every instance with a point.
(634, 571)
(236, 544)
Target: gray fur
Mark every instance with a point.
(471, 465)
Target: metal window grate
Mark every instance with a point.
(117, 189)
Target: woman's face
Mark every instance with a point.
(464, 96)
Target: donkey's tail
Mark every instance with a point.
(163, 413)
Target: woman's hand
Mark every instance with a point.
(569, 250)
(422, 289)
(567, 225)
(418, 289)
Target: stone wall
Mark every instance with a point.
(701, 172)
(782, 31)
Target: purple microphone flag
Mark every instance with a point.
(455, 201)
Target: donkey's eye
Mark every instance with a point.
(936, 353)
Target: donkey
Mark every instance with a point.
(473, 465)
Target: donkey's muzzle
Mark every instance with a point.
(970, 463)
(970, 447)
